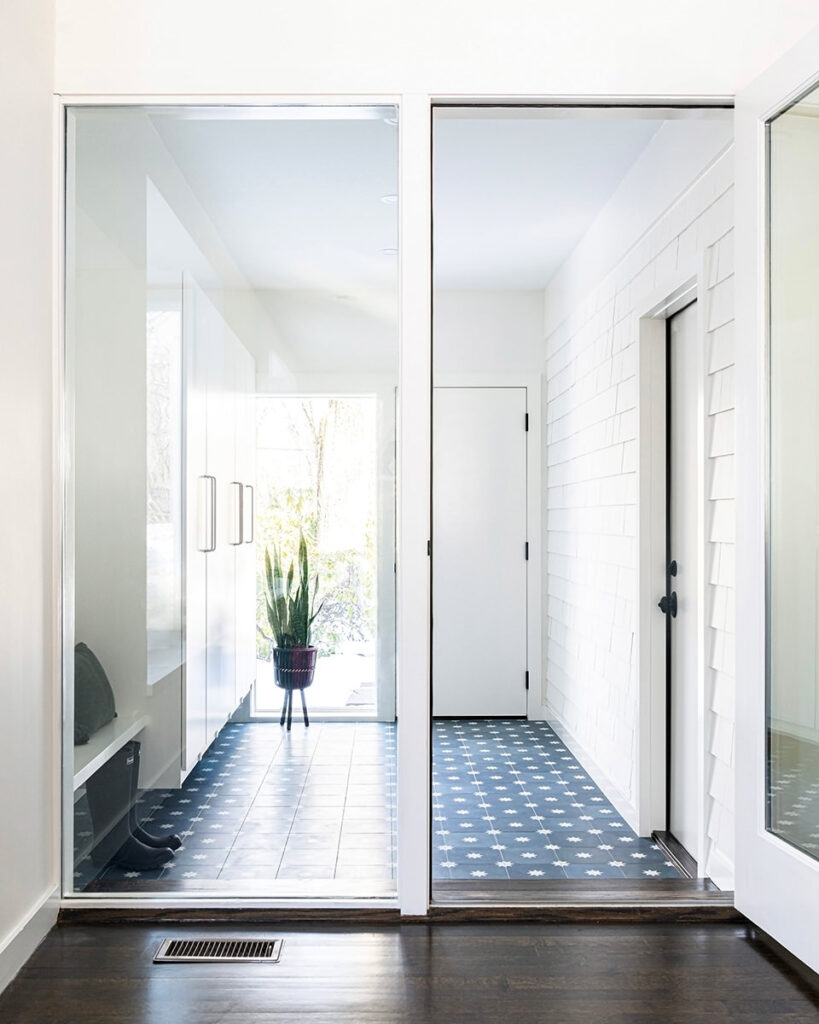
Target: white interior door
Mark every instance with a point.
(777, 737)
(683, 809)
(479, 565)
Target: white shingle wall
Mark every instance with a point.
(719, 560)
(590, 494)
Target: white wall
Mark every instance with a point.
(487, 332)
(28, 723)
(590, 471)
(364, 46)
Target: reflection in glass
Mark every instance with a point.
(164, 522)
(793, 597)
(221, 261)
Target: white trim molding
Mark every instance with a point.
(27, 935)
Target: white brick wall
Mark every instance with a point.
(590, 495)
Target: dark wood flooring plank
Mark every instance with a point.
(447, 973)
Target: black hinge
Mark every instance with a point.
(526, 549)
(429, 548)
(527, 678)
(526, 421)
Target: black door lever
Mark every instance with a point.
(669, 604)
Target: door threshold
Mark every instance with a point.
(676, 852)
(672, 899)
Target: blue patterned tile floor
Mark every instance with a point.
(509, 802)
(262, 804)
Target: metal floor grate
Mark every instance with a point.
(233, 951)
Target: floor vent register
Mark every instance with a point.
(233, 951)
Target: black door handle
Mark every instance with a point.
(669, 604)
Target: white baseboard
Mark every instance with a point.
(624, 807)
(538, 713)
(27, 936)
(720, 870)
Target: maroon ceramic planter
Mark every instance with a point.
(294, 666)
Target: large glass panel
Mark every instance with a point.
(793, 582)
(554, 232)
(231, 326)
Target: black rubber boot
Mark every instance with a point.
(136, 856)
(171, 842)
(108, 792)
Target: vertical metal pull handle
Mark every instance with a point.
(212, 513)
(202, 504)
(207, 513)
(238, 513)
(249, 534)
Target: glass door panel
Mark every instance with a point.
(777, 214)
(793, 599)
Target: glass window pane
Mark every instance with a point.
(793, 610)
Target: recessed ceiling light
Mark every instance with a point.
(389, 200)
(388, 252)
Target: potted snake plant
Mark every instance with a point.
(291, 613)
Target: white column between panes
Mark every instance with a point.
(413, 586)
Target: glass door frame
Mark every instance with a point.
(413, 511)
(413, 506)
(776, 883)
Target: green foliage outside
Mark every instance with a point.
(290, 613)
(347, 584)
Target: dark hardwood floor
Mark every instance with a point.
(415, 973)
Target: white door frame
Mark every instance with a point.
(777, 885)
(650, 641)
(530, 382)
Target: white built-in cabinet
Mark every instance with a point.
(220, 562)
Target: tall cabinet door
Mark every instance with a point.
(198, 492)
(220, 569)
(246, 551)
(777, 480)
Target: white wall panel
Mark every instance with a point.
(28, 662)
(365, 46)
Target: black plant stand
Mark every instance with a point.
(287, 707)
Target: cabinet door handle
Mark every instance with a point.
(212, 514)
(207, 513)
(250, 511)
(238, 512)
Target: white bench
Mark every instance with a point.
(104, 744)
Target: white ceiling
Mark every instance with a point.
(297, 202)
(512, 197)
